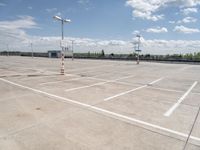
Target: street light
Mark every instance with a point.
(138, 48)
(72, 49)
(62, 52)
(7, 50)
(32, 50)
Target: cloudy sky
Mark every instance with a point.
(166, 26)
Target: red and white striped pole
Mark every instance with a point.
(62, 70)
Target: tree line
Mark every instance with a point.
(132, 56)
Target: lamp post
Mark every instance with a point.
(72, 49)
(138, 48)
(7, 50)
(62, 71)
(32, 50)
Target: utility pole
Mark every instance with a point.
(7, 50)
(138, 49)
(32, 50)
(62, 71)
(72, 49)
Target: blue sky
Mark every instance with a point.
(171, 25)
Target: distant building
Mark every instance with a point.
(54, 54)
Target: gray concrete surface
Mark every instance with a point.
(97, 104)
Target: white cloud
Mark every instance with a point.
(43, 44)
(157, 30)
(14, 33)
(147, 15)
(24, 22)
(86, 4)
(2, 4)
(190, 3)
(171, 46)
(172, 22)
(15, 30)
(50, 10)
(136, 32)
(83, 2)
(187, 20)
(149, 9)
(54, 11)
(188, 11)
(183, 29)
(144, 9)
(58, 14)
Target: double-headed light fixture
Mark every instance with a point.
(62, 52)
(62, 23)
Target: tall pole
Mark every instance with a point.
(62, 71)
(138, 42)
(72, 49)
(62, 23)
(32, 50)
(7, 50)
(138, 50)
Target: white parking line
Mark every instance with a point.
(52, 82)
(118, 82)
(164, 89)
(74, 79)
(170, 111)
(114, 115)
(95, 78)
(195, 93)
(132, 90)
(99, 83)
(87, 86)
(153, 82)
(90, 71)
(74, 70)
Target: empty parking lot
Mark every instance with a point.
(98, 104)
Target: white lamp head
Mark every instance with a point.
(57, 17)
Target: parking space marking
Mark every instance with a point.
(99, 83)
(153, 82)
(108, 113)
(171, 110)
(52, 82)
(74, 79)
(164, 89)
(132, 90)
(118, 82)
(95, 67)
(90, 71)
(86, 86)
(195, 93)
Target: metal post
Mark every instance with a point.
(32, 49)
(62, 32)
(62, 22)
(138, 59)
(7, 50)
(62, 71)
(138, 42)
(138, 56)
(72, 49)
